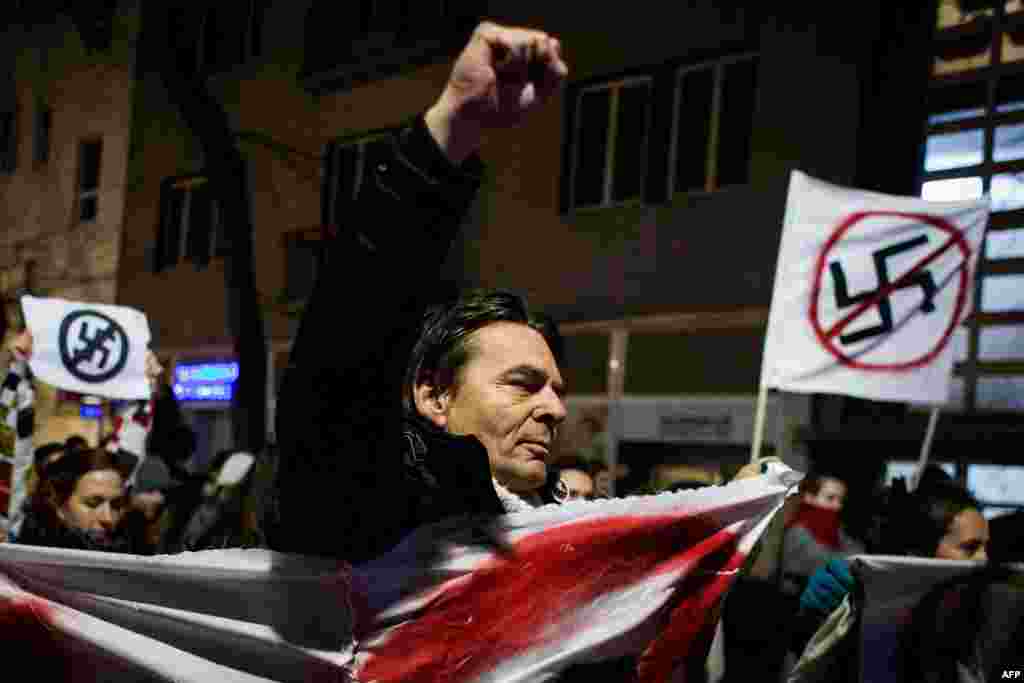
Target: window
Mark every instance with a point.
(905, 469)
(190, 227)
(228, 34)
(713, 123)
(975, 145)
(611, 142)
(8, 141)
(997, 487)
(347, 164)
(41, 142)
(673, 129)
(89, 156)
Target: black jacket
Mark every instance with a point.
(354, 475)
(43, 530)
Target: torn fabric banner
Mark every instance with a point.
(921, 619)
(521, 597)
(925, 619)
(869, 290)
(87, 348)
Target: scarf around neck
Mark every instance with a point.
(821, 523)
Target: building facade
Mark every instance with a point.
(642, 209)
(65, 119)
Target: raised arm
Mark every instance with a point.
(339, 410)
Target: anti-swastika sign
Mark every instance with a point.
(869, 290)
(93, 349)
(860, 328)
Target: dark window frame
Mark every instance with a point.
(41, 134)
(9, 140)
(713, 152)
(977, 92)
(614, 89)
(87, 195)
(194, 52)
(184, 241)
(662, 132)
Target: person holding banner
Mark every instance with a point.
(941, 521)
(396, 428)
(815, 534)
(125, 446)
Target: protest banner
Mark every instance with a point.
(520, 597)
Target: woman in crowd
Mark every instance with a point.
(569, 479)
(814, 534)
(80, 504)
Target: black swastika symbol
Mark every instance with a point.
(96, 343)
(97, 351)
(922, 278)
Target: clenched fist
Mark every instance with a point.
(502, 74)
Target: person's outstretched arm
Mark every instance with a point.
(339, 409)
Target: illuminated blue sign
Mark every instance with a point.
(90, 412)
(205, 381)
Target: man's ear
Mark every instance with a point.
(432, 404)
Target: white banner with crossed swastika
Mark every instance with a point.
(869, 290)
(87, 348)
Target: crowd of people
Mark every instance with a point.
(145, 497)
(426, 411)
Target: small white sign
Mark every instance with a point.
(87, 348)
(869, 289)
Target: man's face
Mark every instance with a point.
(509, 395)
(830, 496)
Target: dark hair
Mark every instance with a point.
(43, 453)
(63, 475)
(443, 346)
(75, 441)
(918, 521)
(933, 475)
(811, 484)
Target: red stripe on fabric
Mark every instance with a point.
(686, 639)
(29, 641)
(508, 606)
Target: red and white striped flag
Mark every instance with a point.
(521, 599)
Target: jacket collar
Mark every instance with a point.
(453, 464)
